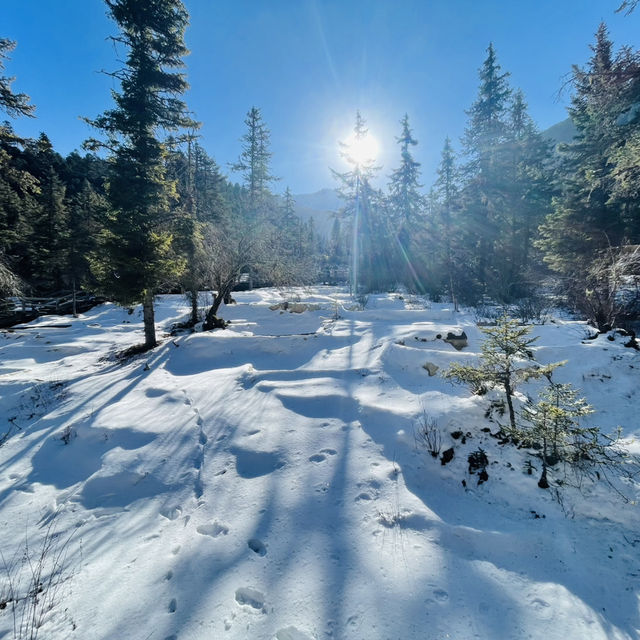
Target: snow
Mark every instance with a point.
(263, 481)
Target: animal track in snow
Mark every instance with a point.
(173, 606)
(291, 633)
(250, 597)
(172, 513)
(329, 452)
(253, 464)
(257, 546)
(439, 595)
(317, 457)
(168, 575)
(214, 529)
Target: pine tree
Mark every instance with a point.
(359, 201)
(137, 257)
(254, 162)
(553, 424)
(447, 187)
(588, 218)
(483, 142)
(17, 186)
(506, 360)
(406, 209)
(14, 104)
(48, 240)
(528, 189)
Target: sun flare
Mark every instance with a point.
(361, 150)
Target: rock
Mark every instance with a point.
(447, 456)
(457, 342)
(431, 368)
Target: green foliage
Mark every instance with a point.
(136, 256)
(553, 425)
(254, 161)
(506, 360)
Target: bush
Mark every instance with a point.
(427, 435)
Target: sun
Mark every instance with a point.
(361, 150)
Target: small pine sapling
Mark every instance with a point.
(553, 424)
(506, 359)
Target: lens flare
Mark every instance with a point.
(361, 150)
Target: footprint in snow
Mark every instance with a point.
(257, 546)
(173, 606)
(172, 513)
(214, 529)
(291, 633)
(439, 595)
(168, 575)
(251, 598)
(317, 457)
(329, 452)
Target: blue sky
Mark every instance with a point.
(309, 64)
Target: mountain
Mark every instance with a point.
(563, 131)
(320, 206)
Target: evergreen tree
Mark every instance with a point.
(406, 208)
(447, 190)
(506, 360)
(17, 186)
(254, 162)
(358, 212)
(589, 217)
(553, 425)
(483, 142)
(87, 210)
(528, 189)
(48, 240)
(137, 257)
(13, 104)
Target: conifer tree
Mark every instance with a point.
(447, 190)
(359, 201)
(137, 257)
(483, 142)
(588, 217)
(406, 209)
(553, 424)
(13, 104)
(506, 360)
(253, 163)
(48, 240)
(17, 186)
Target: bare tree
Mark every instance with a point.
(228, 254)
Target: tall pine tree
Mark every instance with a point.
(137, 257)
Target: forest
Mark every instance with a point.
(513, 218)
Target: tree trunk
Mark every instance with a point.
(509, 392)
(212, 321)
(543, 483)
(149, 320)
(75, 306)
(193, 296)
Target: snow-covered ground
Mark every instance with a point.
(264, 481)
